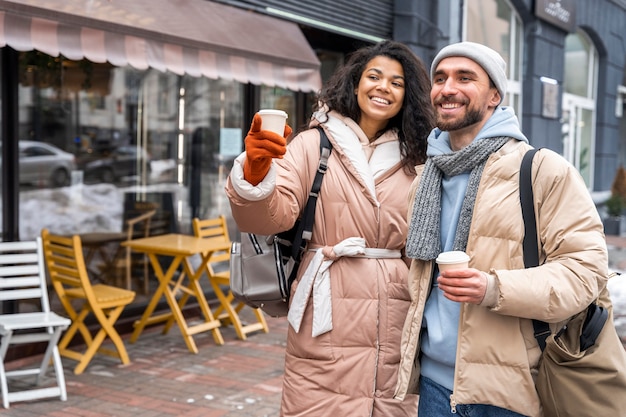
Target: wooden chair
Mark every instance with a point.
(163, 221)
(23, 279)
(68, 274)
(126, 261)
(228, 311)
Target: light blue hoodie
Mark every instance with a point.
(441, 316)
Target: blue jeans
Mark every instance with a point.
(435, 402)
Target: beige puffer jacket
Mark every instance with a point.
(351, 370)
(497, 354)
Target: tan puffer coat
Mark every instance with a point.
(497, 354)
(351, 370)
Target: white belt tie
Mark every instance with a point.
(316, 280)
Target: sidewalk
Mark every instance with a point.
(617, 252)
(164, 379)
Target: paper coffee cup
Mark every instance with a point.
(273, 120)
(452, 260)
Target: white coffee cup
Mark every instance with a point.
(452, 260)
(273, 120)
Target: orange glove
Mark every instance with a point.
(261, 147)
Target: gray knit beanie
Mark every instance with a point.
(487, 58)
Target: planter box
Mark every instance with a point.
(612, 226)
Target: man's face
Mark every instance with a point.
(462, 94)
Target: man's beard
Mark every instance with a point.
(472, 116)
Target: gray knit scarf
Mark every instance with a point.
(424, 238)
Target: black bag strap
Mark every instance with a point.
(530, 245)
(531, 248)
(305, 226)
(596, 315)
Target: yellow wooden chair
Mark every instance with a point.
(126, 261)
(68, 274)
(228, 311)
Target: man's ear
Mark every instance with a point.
(496, 98)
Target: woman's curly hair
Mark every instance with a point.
(416, 118)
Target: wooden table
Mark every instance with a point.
(180, 247)
(97, 243)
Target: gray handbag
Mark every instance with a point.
(259, 274)
(262, 268)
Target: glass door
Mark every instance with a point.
(578, 133)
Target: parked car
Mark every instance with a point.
(110, 165)
(43, 164)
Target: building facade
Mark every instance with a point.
(153, 98)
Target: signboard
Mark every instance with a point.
(550, 102)
(559, 13)
(230, 141)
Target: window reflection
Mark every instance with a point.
(281, 99)
(495, 23)
(578, 65)
(126, 132)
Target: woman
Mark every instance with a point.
(343, 360)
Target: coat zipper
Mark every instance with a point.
(456, 361)
(452, 404)
(376, 357)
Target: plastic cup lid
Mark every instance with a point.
(273, 112)
(452, 257)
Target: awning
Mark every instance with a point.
(195, 37)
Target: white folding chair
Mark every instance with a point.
(23, 279)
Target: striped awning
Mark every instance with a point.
(195, 37)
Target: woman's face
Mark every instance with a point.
(380, 93)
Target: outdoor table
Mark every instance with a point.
(180, 247)
(97, 243)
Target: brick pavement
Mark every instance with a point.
(617, 252)
(164, 379)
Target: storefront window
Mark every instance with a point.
(94, 137)
(496, 24)
(281, 99)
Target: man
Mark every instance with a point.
(468, 346)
